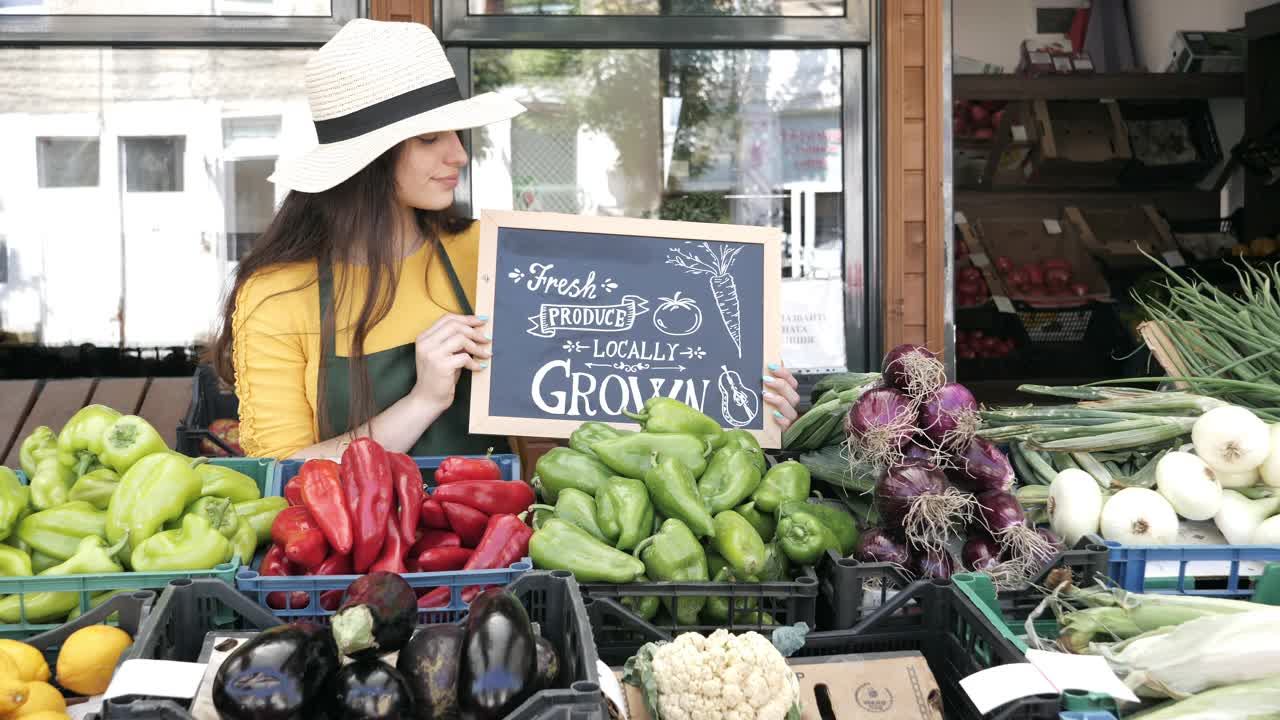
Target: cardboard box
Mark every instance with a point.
(1051, 55)
(1079, 143)
(1033, 240)
(1208, 52)
(853, 687)
(1119, 236)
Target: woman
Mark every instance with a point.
(352, 315)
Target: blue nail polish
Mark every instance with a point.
(777, 414)
(768, 378)
(484, 365)
(482, 318)
(775, 366)
(488, 336)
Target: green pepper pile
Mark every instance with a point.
(680, 501)
(106, 495)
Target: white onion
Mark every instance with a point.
(1075, 505)
(1239, 516)
(1231, 439)
(1270, 470)
(1235, 481)
(1137, 516)
(1267, 532)
(1189, 485)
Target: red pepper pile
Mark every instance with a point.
(371, 513)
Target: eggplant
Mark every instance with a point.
(430, 664)
(277, 675)
(548, 664)
(377, 616)
(499, 657)
(369, 690)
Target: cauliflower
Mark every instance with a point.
(735, 677)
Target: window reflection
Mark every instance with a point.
(740, 8)
(274, 8)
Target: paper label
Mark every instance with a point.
(1046, 673)
(1062, 64)
(1084, 63)
(979, 260)
(993, 687)
(158, 678)
(1004, 304)
(1040, 58)
(1173, 258)
(960, 218)
(1053, 227)
(1090, 673)
(1019, 133)
(813, 324)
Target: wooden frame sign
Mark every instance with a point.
(593, 316)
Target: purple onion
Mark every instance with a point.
(1025, 548)
(877, 409)
(878, 545)
(949, 417)
(934, 564)
(1000, 511)
(916, 451)
(913, 369)
(983, 468)
(902, 485)
(1044, 556)
(981, 552)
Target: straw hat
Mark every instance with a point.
(375, 84)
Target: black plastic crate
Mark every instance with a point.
(188, 610)
(129, 611)
(210, 400)
(850, 589)
(1174, 142)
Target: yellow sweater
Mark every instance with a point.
(276, 333)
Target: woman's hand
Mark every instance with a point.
(454, 342)
(780, 391)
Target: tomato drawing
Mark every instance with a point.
(678, 316)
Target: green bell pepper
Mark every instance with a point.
(776, 565)
(762, 522)
(42, 438)
(674, 555)
(739, 544)
(624, 513)
(668, 415)
(644, 606)
(562, 467)
(576, 507)
(564, 546)
(743, 440)
(715, 563)
(128, 440)
(196, 546)
(588, 434)
(718, 608)
(14, 500)
(839, 521)
(82, 438)
(260, 514)
(675, 494)
(58, 531)
(541, 515)
(41, 562)
(785, 482)
(51, 483)
(804, 537)
(14, 562)
(243, 545)
(92, 557)
(95, 487)
(730, 478)
(154, 491)
(220, 513)
(221, 481)
(96, 600)
(634, 455)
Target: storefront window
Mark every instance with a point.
(136, 175)
(273, 8)
(750, 137)
(748, 8)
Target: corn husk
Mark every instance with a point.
(1257, 700)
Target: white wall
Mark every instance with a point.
(992, 30)
(1155, 21)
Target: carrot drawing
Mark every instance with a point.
(723, 287)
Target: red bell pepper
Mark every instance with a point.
(275, 564)
(458, 469)
(293, 492)
(324, 496)
(493, 497)
(443, 559)
(393, 551)
(506, 540)
(335, 564)
(409, 492)
(365, 465)
(432, 515)
(428, 539)
(297, 532)
(467, 522)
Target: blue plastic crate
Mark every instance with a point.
(1128, 568)
(509, 465)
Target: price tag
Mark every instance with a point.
(1053, 227)
(1004, 304)
(979, 260)
(1173, 258)
(1019, 133)
(960, 218)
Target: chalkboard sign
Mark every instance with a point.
(593, 316)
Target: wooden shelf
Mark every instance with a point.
(1120, 86)
(1048, 202)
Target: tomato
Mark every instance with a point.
(228, 431)
(1004, 264)
(970, 273)
(1034, 273)
(967, 353)
(1056, 263)
(677, 316)
(968, 287)
(1079, 289)
(1057, 279)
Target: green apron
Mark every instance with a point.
(393, 373)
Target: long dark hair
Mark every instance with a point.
(357, 219)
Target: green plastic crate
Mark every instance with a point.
(260, 469)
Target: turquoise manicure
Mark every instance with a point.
(775, 366)
(485, 318)
(768, 378)
(777, 414)
(484, 365)
(488, 336)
